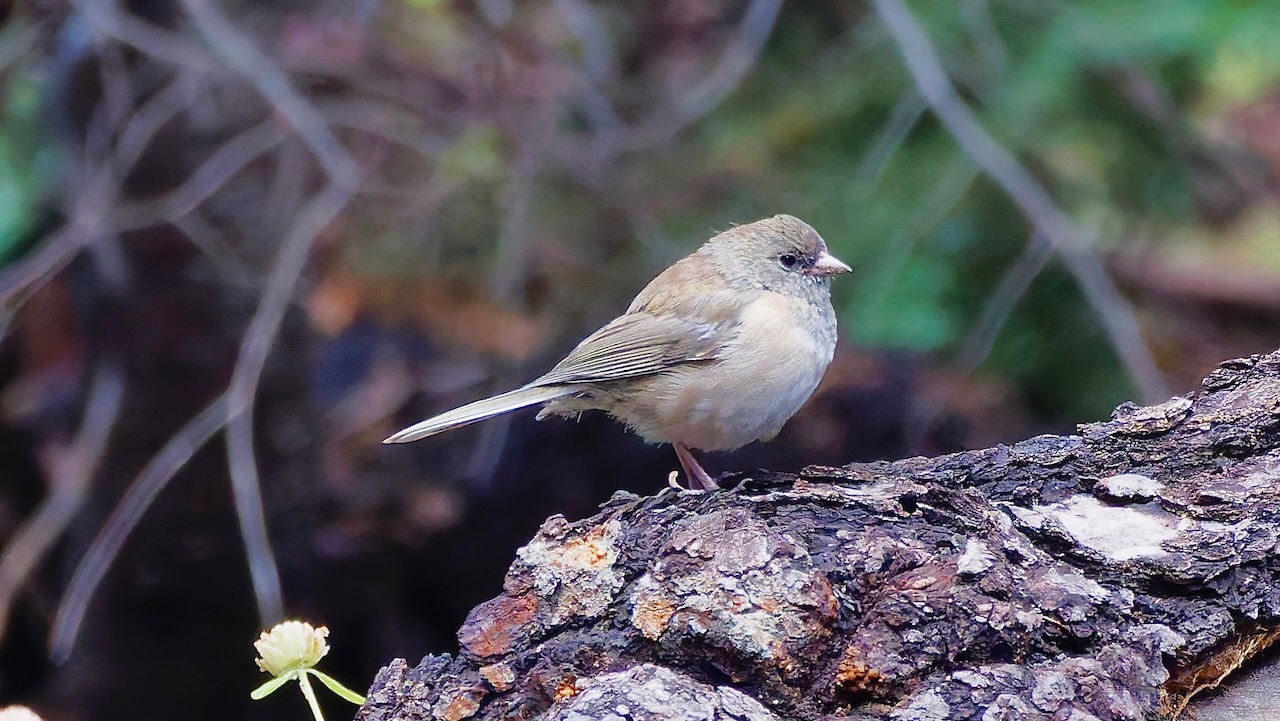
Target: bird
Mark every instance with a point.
(716, 352)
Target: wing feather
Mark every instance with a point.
(638, 344)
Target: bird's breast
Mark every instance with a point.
(766, 371)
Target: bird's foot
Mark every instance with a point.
(699, 479)
(673, 481)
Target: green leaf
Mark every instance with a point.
(28, 160)
(269, 687)
(336, 687)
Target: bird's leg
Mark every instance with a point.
(698, 478)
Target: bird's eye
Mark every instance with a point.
(788, 261)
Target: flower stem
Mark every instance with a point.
(310, 694)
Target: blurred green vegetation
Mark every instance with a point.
(1118, 108)
(1125, 111)
(28, 159)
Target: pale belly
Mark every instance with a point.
(767, 374)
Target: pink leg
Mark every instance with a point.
(698, 478)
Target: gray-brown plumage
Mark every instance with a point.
(718, 351)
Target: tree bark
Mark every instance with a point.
(1110, 574)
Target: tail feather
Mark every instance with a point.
(480, 410)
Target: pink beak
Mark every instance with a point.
(827, 264)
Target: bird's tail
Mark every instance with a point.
(480, 410)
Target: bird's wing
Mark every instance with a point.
(639, 344)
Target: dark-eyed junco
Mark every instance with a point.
(719, 350)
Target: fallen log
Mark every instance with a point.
(1111, 574)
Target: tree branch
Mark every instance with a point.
(1112, 574)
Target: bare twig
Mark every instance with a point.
(71, 473)
(137, 499)
(230, 158)
(18, 280)
(738, 58)
(116, 99)
(976, 15)
(1072, 243)
(284, 193)
(598, 60)
(99, 193)
(904, 116)
(384, 121)
(101, 190)
(258, 338)
(148, 119)
(243, 56)
(995, 311)
(210, 241)
(106, 17)
(183, 445)
(72, 470)
(511, 256)
(734, 62)
(950, 183)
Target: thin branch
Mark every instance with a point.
(599, 62)
(888, 138)
(977, 19)
(147, 120)
(995, 311)
(243, 56)
(738, 58)
(96, 211)
(511, 256)
(116, 98)
(101, 191)
(388, 123)
(106, 17)
(258, 338)
(1072, 243)
(20, 279)
(69, 481)
(230, 158)
(128, 512)
(950, 183)
(283, 194)
(72, 468)
(210, 241)
(180, 448)
(730, 69)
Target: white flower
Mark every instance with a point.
(291, 646)
(18, 713)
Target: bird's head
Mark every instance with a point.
(782, 253)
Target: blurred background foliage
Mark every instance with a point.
(1145, 120)
(504, 176)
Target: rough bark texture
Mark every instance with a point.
(1106, 575)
